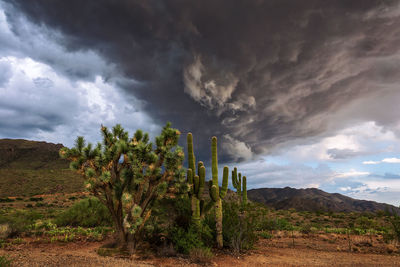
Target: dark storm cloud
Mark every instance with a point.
(255, 73)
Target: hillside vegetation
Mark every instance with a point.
(30, 168)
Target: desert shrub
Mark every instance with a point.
(167, 215)
(266, 234)
(20, 220)
(6, 200)
(36, 199)
(239, 226)
(185, 240)
(276, 224)
(5, 261)
(306, 229)
(200, 255)
(86, 213)
(395, 222)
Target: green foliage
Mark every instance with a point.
(185, 240)
(20, 220)
(5, 261)
(266, 234)
(395, 223)
(6, 200)
(86, 213)
(38, 181)
(240, 225)
(276, 224)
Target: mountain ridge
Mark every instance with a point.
(313, 199)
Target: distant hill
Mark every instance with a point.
(312, 199)
(31, 168)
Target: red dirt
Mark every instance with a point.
(318, 250)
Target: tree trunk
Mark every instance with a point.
(218, 223)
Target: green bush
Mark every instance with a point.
(5, 261)
(239, 226)
(185, 240)
(200, 255)
(266, 234)
(86, 213)
(20, 220)
(276, 224)
(395, 222)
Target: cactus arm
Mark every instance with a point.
(239, 189)
(189, 177)
(199, 164)
(233, 179)
(202, 177)
(196, 181)
(244, 190)
(191, 158)
(214, 193)
(225, 178)
(214, 163)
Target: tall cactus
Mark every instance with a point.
(216, 194)
(240, 186)
(196, 182)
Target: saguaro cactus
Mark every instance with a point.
(244, 192)
(239, 185)
(196, 182)
(216, 194)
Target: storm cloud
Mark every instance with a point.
(258, 74)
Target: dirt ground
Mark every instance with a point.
(316, 250)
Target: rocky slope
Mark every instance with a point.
(31, 168)
(312, 199)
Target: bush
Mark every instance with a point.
(276, 224)
(5, 261)
(194, 237)
(200, 255)
(6, 200)
(239, 226)
(36, 199)
(395, 221)
(266, 234)
(86, 213)
(20, 220)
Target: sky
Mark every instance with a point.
(299, 93)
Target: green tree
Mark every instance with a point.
(128, 174)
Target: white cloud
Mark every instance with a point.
(351, 173)
(371, 162)
(391, 160)
(361, 139)
(386, 160)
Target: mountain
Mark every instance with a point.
(31, 168)
(25, 154)
(312, 199)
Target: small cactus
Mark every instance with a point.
(240, 186)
